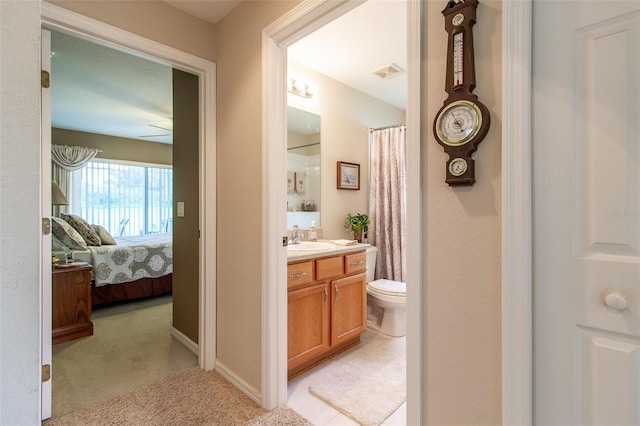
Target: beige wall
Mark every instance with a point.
(462, 258)
(239, 175)
(152, 19)
(345, 118)
(115, 148)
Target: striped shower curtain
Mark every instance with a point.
(387, 201)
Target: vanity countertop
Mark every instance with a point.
(294, 256)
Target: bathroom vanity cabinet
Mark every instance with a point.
(327, 307)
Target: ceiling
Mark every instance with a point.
(101, 90)
(350, 48)
(211, 11)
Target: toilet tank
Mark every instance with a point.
(372, 252)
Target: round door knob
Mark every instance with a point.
(616, 301)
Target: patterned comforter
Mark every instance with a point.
(144, 256)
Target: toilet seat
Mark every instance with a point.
(388, 288)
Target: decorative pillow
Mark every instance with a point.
(83, 228)
(105, 236)
(67, 235)
(56, 244)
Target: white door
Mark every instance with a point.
(586, 264)
(45, 199)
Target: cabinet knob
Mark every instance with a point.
(615, 300)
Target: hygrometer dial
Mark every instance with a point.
(458, 167)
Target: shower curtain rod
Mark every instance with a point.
(388, 127)
(304, 146)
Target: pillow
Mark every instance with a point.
(83, 228)
(67, 235)
(56, 244)
(105, 236)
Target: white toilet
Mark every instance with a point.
(387, 300)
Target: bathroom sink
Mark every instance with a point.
(310, 246)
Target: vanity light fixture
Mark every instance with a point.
(299, 88)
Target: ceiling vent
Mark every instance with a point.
(388, 71)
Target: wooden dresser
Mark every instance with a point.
(327, 308)
(71, 298)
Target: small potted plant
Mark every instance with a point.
(357, 225)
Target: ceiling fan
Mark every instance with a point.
(169, 130)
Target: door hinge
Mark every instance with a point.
(46, 226)
(285, 241)
(45, 79)
(46, 372)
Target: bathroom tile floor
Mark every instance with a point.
(317, 411)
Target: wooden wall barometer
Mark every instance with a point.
(463, 121)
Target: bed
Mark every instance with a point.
(136, 267)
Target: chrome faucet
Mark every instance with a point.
(296, 235)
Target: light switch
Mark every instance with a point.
(180, 209)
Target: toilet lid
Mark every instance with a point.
(393, 288)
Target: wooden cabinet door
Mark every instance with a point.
(308, 323)
(349, 308)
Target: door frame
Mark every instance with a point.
(517, 204)
(46, 316)
(59, 19)
(291, 27)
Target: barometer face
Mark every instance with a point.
(458, 123)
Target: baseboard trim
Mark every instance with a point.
(245, 387)
(190, 344)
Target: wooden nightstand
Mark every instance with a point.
(71, 297)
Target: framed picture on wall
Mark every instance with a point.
(348, 175)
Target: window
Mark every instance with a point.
(126, 198)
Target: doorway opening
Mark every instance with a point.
(292, 27)
(347, 98)
(59, 19)
(131, 110)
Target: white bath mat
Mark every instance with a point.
(367, 387)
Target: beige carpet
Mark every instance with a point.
(367, 386)
(192, 397)
(131, 347)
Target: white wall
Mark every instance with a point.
(345, 118)
(19, 212)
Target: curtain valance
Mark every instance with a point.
(72, 157)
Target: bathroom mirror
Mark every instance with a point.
(303, 168)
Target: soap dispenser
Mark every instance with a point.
(313, 235)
